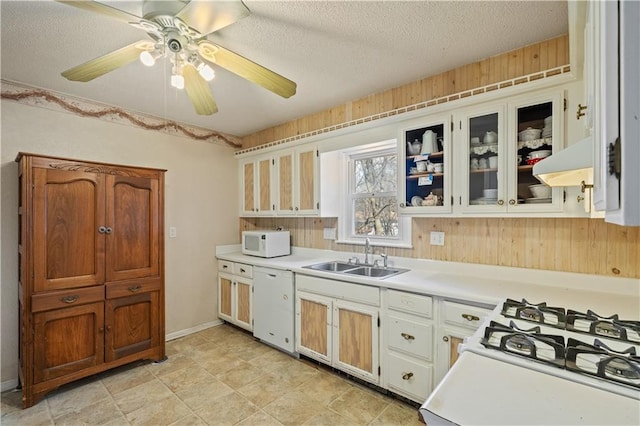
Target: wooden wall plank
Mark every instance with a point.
(589, 246)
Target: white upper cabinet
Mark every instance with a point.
(256, 184)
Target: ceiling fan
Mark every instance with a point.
(178, 31)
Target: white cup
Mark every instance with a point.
(493, 162)
(438, 167)
(421, 166)
(430, 167)
(474, 163)
(475, 140)
(483, 163)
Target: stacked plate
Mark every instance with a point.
(548, 127)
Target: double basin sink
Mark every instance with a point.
(340, 267)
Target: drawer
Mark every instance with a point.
(225, 266)
(243, 270)
(66, 298)
(464, 315)
(409, 302)
(411, 337)
(130, 288)
(408, 377)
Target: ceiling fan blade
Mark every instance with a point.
(107, 63)
(94, 6)
(198, 91)
(247, 69)
(210, 16)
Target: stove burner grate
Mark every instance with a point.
(534, 312)
(601, 361)
(610, 327)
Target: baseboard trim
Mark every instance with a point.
(187, 331)
(8, 385)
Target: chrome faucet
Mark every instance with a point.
(384, 257)
(367, 249)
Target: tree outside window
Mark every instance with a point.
(373, 195)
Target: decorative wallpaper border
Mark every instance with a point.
(424, 104)
(84, 108)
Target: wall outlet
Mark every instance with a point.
(329, 233)
(437, 238)
(173, 232)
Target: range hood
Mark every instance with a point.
(570, 167)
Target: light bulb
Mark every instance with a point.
(206, 72)
(147, 58)
(177, 81)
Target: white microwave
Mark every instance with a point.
(266, 243)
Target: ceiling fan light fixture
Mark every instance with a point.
(147, 58)
(206, 72)
(177, 81)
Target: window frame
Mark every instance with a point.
(346, 221)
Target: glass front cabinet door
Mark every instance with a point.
(500, 145)
(425, 167)
(535, 132)
(483, 150)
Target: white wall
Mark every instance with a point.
(201, 199)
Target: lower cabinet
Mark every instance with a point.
(94, 330)
(457, 321)
(235, 293)
(341, 333)
(408, 345)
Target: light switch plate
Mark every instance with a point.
(329, 233)
(173, 232)
(437, 238)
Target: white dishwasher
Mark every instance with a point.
(273, 307)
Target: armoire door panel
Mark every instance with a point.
(68, 211)
(68, 340)
(131, 325)
(132, 228)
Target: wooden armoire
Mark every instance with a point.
(91, 269)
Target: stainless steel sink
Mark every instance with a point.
(335, 266)
(356, 269)
(369, 271)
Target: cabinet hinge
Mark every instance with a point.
(379, 371)
(564, 196)
(378, 321)
(318, 206)
(452, 200)
(273, 161)
(452, 126)
(460, 200)
(565, 104)
(460, 124)
(317, 153)
(274, 207)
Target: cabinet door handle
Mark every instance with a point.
(296, 209)
(500, 202)
(135, 288)
(102, 229)
(470, 317)
(445, 338)
(108, 230)
(407, 336)
(407, 376)
(512, 202)
(70, 299)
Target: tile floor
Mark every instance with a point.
(219, 376)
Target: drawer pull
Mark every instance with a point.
(242, 270)
(70, 299)
(224, 266)
(407, 336)
(135, 288)
(469, 317)
(407, 376)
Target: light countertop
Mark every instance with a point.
(482, 284)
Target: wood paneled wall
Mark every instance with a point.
(565, 244)
(589, 246)
(526, 60)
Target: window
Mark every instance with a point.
(371, 204)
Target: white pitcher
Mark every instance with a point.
(429, 143)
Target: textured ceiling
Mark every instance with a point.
(335, 51)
